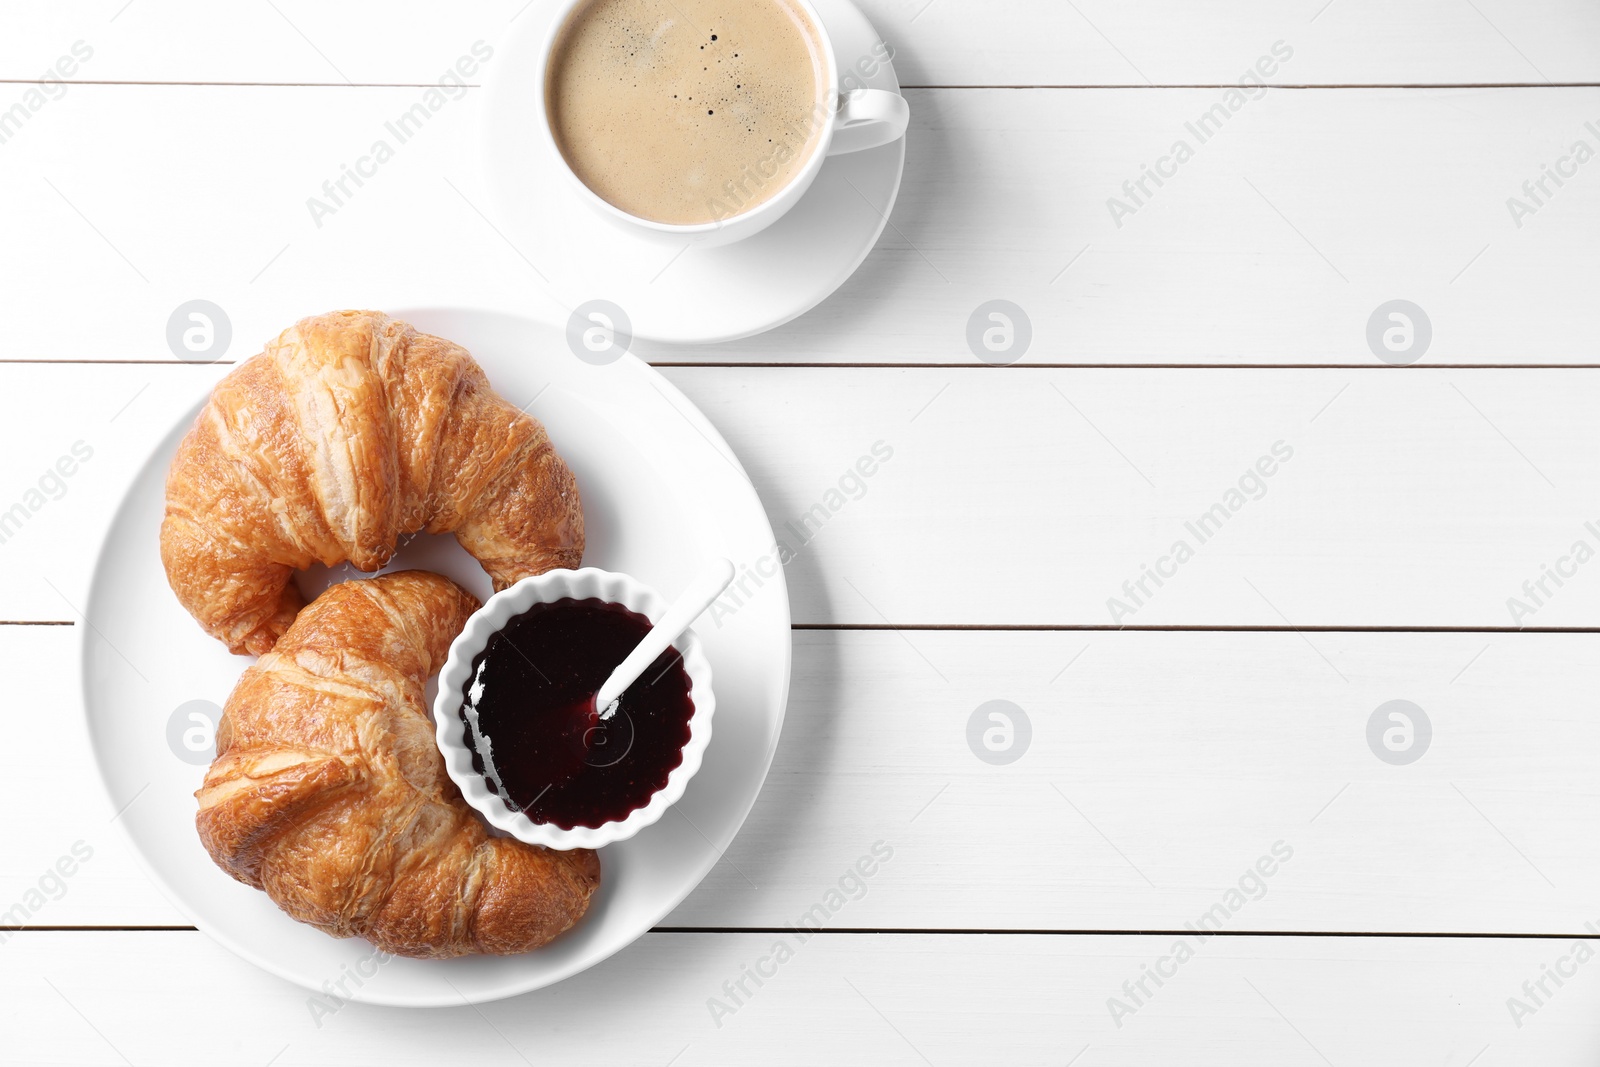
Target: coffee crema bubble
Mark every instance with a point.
(686, 111)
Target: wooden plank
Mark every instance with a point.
(1276, 242)
(1159, 768)
(1033, 497)
(943, 42)
(848, 998)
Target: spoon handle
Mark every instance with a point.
(687, 608)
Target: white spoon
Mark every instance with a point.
(686, 609)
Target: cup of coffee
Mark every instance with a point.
(700, 120)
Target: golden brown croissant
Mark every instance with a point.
(329, 792)
(348, 432)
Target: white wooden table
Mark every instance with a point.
(1428, 912)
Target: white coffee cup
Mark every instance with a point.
(850, 120)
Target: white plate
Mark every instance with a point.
(663, 496)
(698, 295)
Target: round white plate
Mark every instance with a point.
(663, 497)
(671, 292)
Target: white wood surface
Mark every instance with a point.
(976, 565)
(889, 999)
(943, 42)
(1273, 244)
(1048, 489)
(1191, 753)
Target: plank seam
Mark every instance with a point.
(1096, 86)
(905, 931)
(933, 627)
(964, 365)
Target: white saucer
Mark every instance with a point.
(703, 294)
(663, 496)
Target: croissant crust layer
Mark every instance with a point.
(328, 791)
(347, 433)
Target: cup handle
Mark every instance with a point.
(868, 118)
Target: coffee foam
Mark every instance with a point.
(686, 111)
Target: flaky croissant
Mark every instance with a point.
(329, 793)
(348, 432)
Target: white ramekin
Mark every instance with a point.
(496, 612)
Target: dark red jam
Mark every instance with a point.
(552, 757)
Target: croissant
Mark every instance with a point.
(348, 432)
(329, 793)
